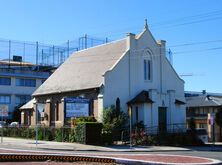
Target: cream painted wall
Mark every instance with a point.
(14, 90)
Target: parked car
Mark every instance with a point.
(201, 134)
(14, 124)
(2, 124)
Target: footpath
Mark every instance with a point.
(27, 147)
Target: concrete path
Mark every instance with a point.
(27, 143)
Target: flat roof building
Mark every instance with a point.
(18, 80)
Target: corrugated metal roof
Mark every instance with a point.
(203, 101)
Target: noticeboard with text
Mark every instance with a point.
(76, 107)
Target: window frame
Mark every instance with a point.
(9, 101)
(25, 82)
(5, 84)
(28, 98)
(147, 69)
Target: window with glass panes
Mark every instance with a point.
(5, 99)
(25, 82)
(5, 81)
(147, 69)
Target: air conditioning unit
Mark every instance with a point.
(17, 58)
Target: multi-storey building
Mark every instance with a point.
(18, 80)
(202, 107)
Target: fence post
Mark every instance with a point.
(62, 134)
(9, 52)
(37, 53)
(67, 48)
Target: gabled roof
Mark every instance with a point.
(142, 97)
(203, 101)
(28, 105)
(84, 69)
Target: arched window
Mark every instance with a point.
(147, 65)
(118, 104)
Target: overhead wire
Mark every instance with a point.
(210, 16)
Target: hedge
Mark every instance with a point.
(88, 132)
(63, 134)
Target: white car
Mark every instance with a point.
(14, 124)
(202, 134)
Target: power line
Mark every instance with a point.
(195, 43)
(199, 18)
(200, 50)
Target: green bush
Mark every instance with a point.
(58, 135)
(72, 135)
(107, 138)
(63, 134)
(85, 119)
(114, 121)
(88, 133)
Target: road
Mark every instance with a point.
(208, 154)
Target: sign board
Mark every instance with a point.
(40, 107)
(76, 107)
(211, 119)
(3, 110)
(42, 114)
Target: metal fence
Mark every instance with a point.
(63, 134)
(45, 54)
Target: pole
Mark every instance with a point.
(37, 53)
(67, 48)
(85, 41)
(130, 115)
(36, 138)
(2, 127)
(53, 53)
(9, 52)
(213, 134)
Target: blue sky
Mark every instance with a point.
(181, 22)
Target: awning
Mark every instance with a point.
(142, 97)
(179, 102)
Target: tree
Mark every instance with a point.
(16, 115)
(219, 121)
(192, 127)
(114, 120)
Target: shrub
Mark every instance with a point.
(86, 119)
(72, 135)
(107, 138)
(88, 133)
(114, 121)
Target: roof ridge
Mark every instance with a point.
(104, 44)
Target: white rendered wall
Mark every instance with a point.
(126, 80)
